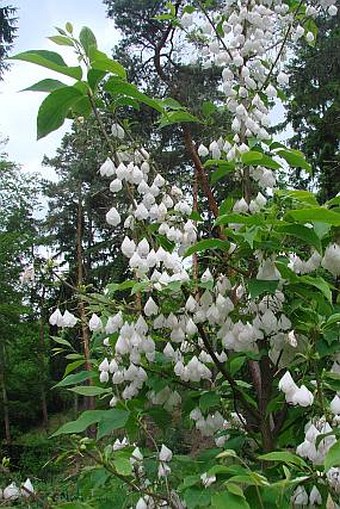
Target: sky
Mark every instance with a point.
(18, 110)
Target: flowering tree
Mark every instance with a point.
(232, 335)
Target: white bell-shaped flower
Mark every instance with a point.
(114, 323)
(315, 496)
(113, 217)
(95, 323)
(11, 492)
(56, 318)
(241, 206)
(202, 151)
(300, 497)
(117, 131)
(150, 307)
(206, 276)
(116, 186)
(331, 259)
(302, 397)
(142, 503)
(122, 172)
(104, 377)
(27, 489)
(287, 384)
(143, 247)
(163, 470)
(107, 169)
(165, 453)
(335, 405)
(104, 365)
(69, 320)
(208, 480)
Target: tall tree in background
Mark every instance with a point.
(76, 222)
(18, 341)
(314, 105)
(7, 34)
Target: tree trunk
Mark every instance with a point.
(42, 362)
(90, 403)
(4, 396)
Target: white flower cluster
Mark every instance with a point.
(304, 267)
(255, 205)
(63, 320)
(166, 397)
(133, 342)
(209, 425)
(215, 425)
(14, 492)
(296, 395)
(300, 497)
(309, 449)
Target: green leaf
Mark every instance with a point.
(85, 420)
(47, 85)
(111, 420)
(87, 39)
(94, 77)
(224, 168)
(332, 379)
(235, 363)
(283, 457)
(90, 390)
(69, 27)
(295, 158)
(141, 286)
(318, 214)
(258, 287)
(75, 378)
(55, 108)
(122, 466)
(118, 87)
(203, 245)
(333, 456)
(253, 157)
(332, 320)
(319, 283)
(195, 497)
(177, 117)
(208, 108)
(100, 61)
(299, 195)
(226, 499)
(239, 219)
(302, 232)
(209, 400)
(50, 60)
(62, 341)
(62, 40)
(72, 366)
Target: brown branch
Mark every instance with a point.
(202, 176)
(227, 376)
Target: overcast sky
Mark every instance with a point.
(18, 111)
